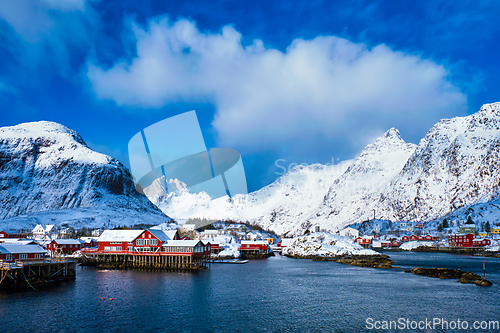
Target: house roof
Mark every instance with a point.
(160, 234)
(68, 241)
(119, 235)
(262, 242)
(170, 233)
(20, 248)
(286, 241)
(190, 243)
(18, 241)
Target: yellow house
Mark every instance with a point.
(482, 234)
(495, 230)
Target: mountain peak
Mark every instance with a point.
(392, 133)
(40, 129)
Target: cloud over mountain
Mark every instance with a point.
(265, 97)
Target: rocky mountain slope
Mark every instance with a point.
(455, 165)
(281, 203)
(354, 196)
(46, 167)
(454, 168)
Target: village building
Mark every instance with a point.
(349, 232)
(364, 241)
(284, 242)
(42, 233)
(65, 246)
(11, 252)
(148, 248)
(254, 247)
(9, 233)
(467, 240)
(495, 231)
(467, 228)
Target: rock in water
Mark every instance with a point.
(483, 283)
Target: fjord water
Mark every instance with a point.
(275, 295)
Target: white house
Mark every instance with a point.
(349, 232)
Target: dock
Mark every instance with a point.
(153, 260)
(35, 274)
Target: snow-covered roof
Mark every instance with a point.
(119, 235)
(211, 232)
(88, 239)
(190, 243)
(170, 233)
(261, 242)
(18, 240)
(68, 241)
(20, 248)
(286, 241)
(160, 234)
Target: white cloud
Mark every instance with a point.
(267, 97)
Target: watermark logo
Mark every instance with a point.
(172, 155)
(431, 324)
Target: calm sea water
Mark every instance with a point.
(274, 295)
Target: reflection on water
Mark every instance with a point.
(274, 295)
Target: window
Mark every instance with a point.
(139, 242)
(154, 242)
(38, 255)
(130, 248)
(23, 256)
(9, 257)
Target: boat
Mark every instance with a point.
(229, 261)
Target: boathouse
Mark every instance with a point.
(66, 246)
(152, 248)
(13, 234)
(10, 252)
(254, 247)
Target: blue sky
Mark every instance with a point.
(300, 81)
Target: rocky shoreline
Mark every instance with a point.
(448, 273)
(383, 261)
(373, 261)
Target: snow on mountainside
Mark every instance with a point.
(283, 202)
(455, 165)
(45, 166)
(353, 196)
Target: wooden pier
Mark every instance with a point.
(148, 261)
(35, 274)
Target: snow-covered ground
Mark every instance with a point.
(325, 244)
(408, 246)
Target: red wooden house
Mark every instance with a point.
(462, 240)
(66, 246)
(13, 234)
(413, 237)
(10, 252)
(481, 242)
(257, 246)
(405, 238)
(395, 243)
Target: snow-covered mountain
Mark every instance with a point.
(354, 195)
(455, 167)
(279, 204)
(47, 170)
